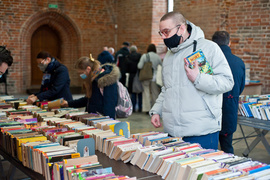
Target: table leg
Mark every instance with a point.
(245, 154)
(263, 139)
(11, 172)
(1, 169)
(254, 143)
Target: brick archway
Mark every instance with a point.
(69, 36)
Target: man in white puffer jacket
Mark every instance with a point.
(190, 102)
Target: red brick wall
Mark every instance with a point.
(134, 23)
(87, 26)
(246, 21)
(160, 7)
(83, 26)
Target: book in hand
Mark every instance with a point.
(204, 65)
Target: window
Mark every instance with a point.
(170, 5)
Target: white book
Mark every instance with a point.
(121, 149)
(156, 155)
(226, 175)
(130, 157)
(202, 169)
(262, 111)
(164, 169)
(156, 136)
(184, 172)
(267, 112)
(143, 149)
(264, 177)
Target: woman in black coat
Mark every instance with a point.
(132, 60)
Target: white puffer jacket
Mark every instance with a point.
(193, 109)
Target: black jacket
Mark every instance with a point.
(55, 82)
(230, 99)
(104, 104)
(132, 62)
(120, 58)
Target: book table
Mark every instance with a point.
(15, 163)
(119, 168)
(261, 128)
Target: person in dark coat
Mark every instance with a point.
(55, 81)
(120, 58)
(6, 61)
(100, 82)
(132, 61)
(231, 98)
(105, 56)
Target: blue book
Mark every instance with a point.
(259, 169)
(247, 109)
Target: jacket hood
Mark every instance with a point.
(196, 34)
(110, 75)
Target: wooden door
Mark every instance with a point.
(43, 39)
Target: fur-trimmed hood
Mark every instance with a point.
(110, 75)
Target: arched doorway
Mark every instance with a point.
(69, 47)
(43, 39)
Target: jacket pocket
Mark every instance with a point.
(213, 104)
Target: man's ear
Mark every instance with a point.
(48, 59)
(183, 29)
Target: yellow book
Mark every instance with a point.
(25, 140)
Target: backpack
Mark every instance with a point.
(124, 106)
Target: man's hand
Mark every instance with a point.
(192, 73)
(31, 99)
(155, 120)
(64, 103)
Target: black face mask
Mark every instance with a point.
(173, 41)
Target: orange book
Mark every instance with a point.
(216, 171)
(212, 154)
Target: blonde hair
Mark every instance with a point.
(81, 64)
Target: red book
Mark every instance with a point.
(124, 142)
(253, 167)
(178, 154)
(189, 147)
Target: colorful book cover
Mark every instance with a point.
(204, 65)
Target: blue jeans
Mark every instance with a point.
(134, 101)
(209, 141)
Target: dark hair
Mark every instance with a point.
(151, 48)
(5, 56)
(126, 43)
(43, 55)
(221, 38)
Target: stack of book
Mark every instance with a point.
(255, 106)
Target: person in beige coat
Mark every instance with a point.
(150, 89)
